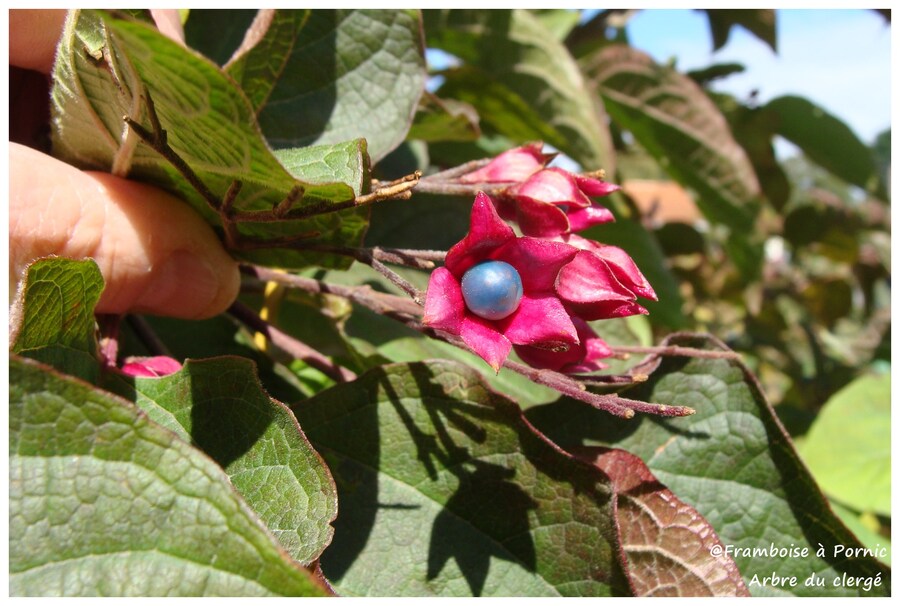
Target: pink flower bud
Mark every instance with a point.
(554, 201)
(157, 366)
(512, 166)
(590, 290)
(619, 262)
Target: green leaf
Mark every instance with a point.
(219, 406)
(209, 124)
(500, 107)
(881, 152)
(734, 463)
(676, 238)
(754, 129)
(446, 490)
(341, 163)
(825, 139)
(218, 336)
(760, 22)
(558, 21)
(674, 120)
(668, 545)
(848, 447)
(878, 544)
(217, 33)
(444, 120)
(53, 317)
(716, 71)
(263, 56)
(346, 74)
(528, 68)
(103, 501)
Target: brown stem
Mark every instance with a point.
(381, 303)
(622, 407)
(674, 350)
(458, 171)
(602, 380)
(399, 281)
(452, 188)
(157, 140)
(292, 346)
(147, 336)
(232, 236)
(419, 259)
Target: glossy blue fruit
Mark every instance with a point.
(492, 289)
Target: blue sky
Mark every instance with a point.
(839, 59)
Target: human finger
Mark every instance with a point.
(156, 254)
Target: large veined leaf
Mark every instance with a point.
(219, 406)
(444, 120)
(848, 447)
(671, 117)
(263, 55)
(53, 316)
(105, 67)
(447, 490)
(734, 463)
(217, 33)
(667, 544)
(826, 140)
(103, 501)
(338, 75)
(754, 129)
(519, 76)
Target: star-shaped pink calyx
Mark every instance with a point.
(463, 300)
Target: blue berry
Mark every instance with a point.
(492, 289)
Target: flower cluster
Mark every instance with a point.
(535, 293)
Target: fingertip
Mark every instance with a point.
(163, 257)
(156, 254)
(33, 34)
(191, 285)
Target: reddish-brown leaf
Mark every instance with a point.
(667, 544)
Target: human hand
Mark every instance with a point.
(156, 254)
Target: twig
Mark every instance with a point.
(399, 281)
(292, 346)
(380, 303)
(401, 189)
(147, 336)
(621, 407)
(418, 259)
(158, 141)
(453, 188)
(674, 350)
(458, 171)
(611, 379)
